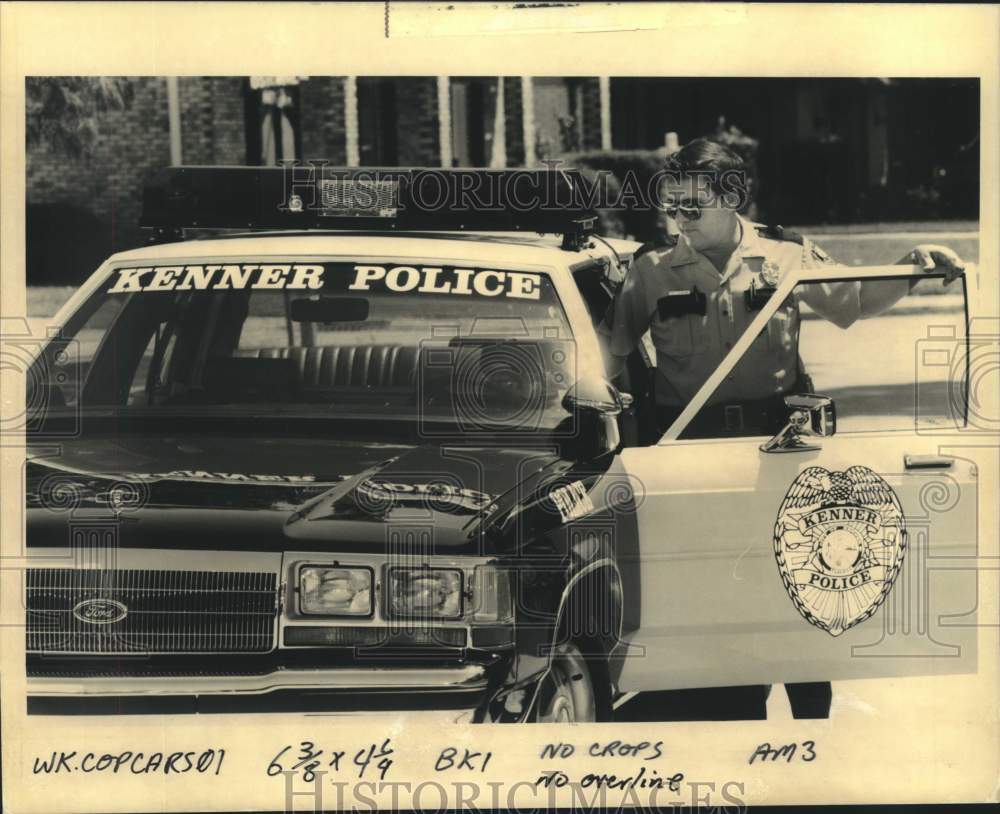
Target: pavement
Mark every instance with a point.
(954, 697)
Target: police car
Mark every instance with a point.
(365, 456)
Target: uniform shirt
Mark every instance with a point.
(690, 347)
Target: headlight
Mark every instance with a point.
(331, 591)
(428, 593)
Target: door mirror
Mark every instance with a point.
(596, 397)
(821, 412)
(593, 403)
(808, 415)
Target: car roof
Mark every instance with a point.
(479, 247)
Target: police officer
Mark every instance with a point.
(697, 294)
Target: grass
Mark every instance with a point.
(45, 300)
(854, 251)
(925, 227)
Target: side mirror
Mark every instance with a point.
(808, 415)
(595, 396)
(819, 409)
(593, 404)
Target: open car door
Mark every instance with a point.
(823, 558)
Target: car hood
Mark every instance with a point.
(183, 491)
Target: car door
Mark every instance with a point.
(748, 576)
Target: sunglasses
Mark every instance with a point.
(689, 211)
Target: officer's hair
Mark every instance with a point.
(720, 166)
(703, 154)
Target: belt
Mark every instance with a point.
(745, 415)
(742, 418)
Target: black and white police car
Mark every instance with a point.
(365, 456)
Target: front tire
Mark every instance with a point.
(572, 691)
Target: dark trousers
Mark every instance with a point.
(747, 703)
(810, 700)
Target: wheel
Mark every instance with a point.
(568, 692)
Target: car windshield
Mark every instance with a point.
(396, 340)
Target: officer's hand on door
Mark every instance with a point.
(935, 259)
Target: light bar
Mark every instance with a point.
(347, 197)
(319, 197)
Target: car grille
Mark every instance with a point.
(160, 611)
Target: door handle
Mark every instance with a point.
(928, 462)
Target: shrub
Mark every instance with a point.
(639, 165)
(64, 244)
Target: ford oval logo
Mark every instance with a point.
(100, 611)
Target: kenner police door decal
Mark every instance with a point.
(839, 541)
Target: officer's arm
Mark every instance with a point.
(845, 303)
(880, 295)
(626, 320)
(839, 303)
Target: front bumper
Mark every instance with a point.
(348, 690)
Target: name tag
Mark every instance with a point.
(680, 303)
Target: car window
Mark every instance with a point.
(595, 290)
(389, 338)
(901, 367)
(63, 369)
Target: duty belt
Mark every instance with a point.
(757, 417)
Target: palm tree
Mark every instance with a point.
(62, 112)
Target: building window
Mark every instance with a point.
(473, 110)
(377, 121)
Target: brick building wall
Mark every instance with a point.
(417, 134)
(321, 117)
(130, 143)
(81, 210)
(212, 123)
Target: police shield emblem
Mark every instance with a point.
(770, 273)
(839, 540)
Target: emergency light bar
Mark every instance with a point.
(310, 196)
